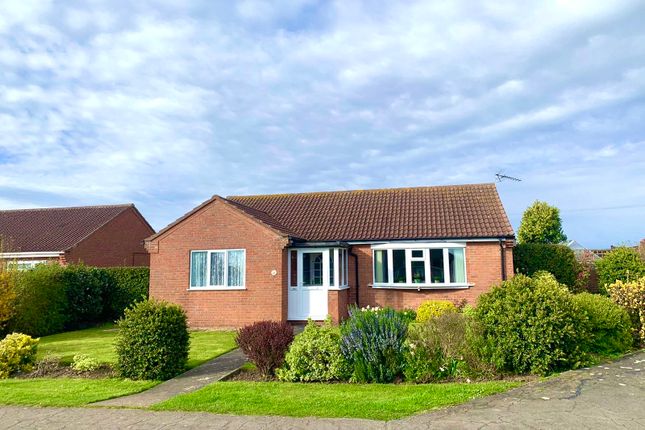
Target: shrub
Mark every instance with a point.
(127, 285)
(541, 223)
(434, 308)
(17, 354)
(84, 363)
(559, 260)
(408, 315)
(619, 264)
(445, 346)
(373, 342)
(609, 324)
(631, 296)
(532, 325)
(314, 355)
(153, 341)
(7, 295)
(265, 344)
(84, 288)
(41, 306)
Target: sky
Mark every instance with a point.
(166, 103)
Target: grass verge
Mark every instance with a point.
(371, 401)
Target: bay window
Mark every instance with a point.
(217, 269)
(416, 265)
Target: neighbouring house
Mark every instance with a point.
(289, 257)
(101, 236)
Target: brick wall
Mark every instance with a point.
(117, 243)
(218, 226)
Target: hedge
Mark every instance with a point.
(127, 286)
(559, 260)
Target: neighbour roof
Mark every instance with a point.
(442, 212)
(52, 229)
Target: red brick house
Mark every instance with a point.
(288, 257)
(101, 236)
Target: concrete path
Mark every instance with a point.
(605, 397)
(192, 380)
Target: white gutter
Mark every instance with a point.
(19, 255)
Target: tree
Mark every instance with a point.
(620, 264)
(541, 223)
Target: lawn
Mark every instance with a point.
(66, 391)
(98, 343)
(371, 401)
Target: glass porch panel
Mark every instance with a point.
(331, 267)
(312, 275)
(293, 256)
(437, 274)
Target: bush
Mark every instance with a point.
(41, 305)
(559, 260)
(609, 324)
(7, 295)
(84, 288)
(442, 347)
(17, 354)
(408, 315)
(314, 355)
(84, 363)
(533, 325)
(265, 344)
(373, 343)
(619, 264)
(631, 296)
(127, 285)
(434, 308)
(153, 341)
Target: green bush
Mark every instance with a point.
(314, 355)
(446, 346)
(17, 354)
(84, 287)
(127, 285)
(41, 305)
(609, 324)
(631, 296)
(533, 325)
(7, 295)
(559, 260)
(434, 308)
(619, 264)
(84, 363)
(373, 343)
(153, 341)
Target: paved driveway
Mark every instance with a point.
(604, 397)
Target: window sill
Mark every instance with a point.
(343, 287)
(216, 289)
(421, 286)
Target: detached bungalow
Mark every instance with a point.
(232, 261)
(94, 235)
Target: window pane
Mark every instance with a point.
(331, 266)
(417, 253)
(198, 269)
(312, 268)
(235, 268)
(294, 267)
(380, 265)
(217, 269)
(398, 261)
(418, 271)
(457, 265)
(436, 266)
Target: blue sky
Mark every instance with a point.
(165, 103)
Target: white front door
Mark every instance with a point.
(308, 291)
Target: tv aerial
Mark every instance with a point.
(501, 176)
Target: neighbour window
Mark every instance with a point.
(217, 269)
(419, 266)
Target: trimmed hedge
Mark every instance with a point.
(128, 285)
(619, 264)
(153, 341)
(84, 288)
(558, 260)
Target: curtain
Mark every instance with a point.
(198, 269)
(217, 269)
(457, 265)
(235, 268)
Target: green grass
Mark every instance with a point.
(98, 343)
(66, 391)
(372, 401)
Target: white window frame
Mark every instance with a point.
(341, 260)
(209, 287)
(425, 247)
(21, 265)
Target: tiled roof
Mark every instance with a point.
(443, 212)
(52, 229)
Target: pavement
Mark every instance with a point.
(194, 379)
(609, 396)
